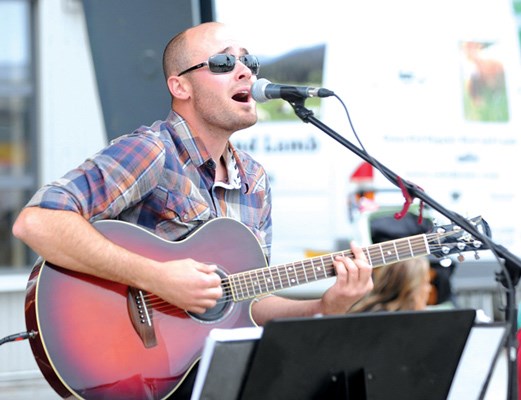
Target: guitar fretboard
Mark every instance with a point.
(262, 281)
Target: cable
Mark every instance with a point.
(18, 337)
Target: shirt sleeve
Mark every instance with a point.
(114, 179)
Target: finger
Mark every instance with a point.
(215, 292)
(203, 305)
(211, 277)
(355, 269)
(352, 269)
(339, 266)
(206, 268)
(345, 269)
(358, 252)
(365, 271)
(207, 304)
(214, 280)
(196, 309)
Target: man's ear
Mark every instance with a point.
(179, 88)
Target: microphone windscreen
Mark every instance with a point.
(258, 89)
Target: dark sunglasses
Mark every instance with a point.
(223, 63)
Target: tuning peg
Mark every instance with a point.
(476, 255)
(477, 244)
(445, 262)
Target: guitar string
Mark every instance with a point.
(299, 272)
(374, 252)
(254, 290)
(301, 268)
(286, 282)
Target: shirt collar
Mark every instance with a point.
(199, 155)
(193, 145)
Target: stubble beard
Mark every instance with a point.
(225, 118)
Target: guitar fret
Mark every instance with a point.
(272, 280)
(396, 251)
(390, 254)
(233, 287)
(262, 281)
(304, 269)
(258, 283)
(253, 284)
(314, 270)
(246, 285)
(268, 279)
(287, 274)
(243, 295)
(426, 245)
(415, 246)
(376, 257)
(410, 247)
(239, 286)
(294, 271)
(323, 267)
(382, 253)
(280, 279)
(368, 255)
(331, 272)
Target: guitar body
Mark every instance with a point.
(87, 345)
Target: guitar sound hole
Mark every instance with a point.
(223, 304)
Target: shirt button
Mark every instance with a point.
(185, 216)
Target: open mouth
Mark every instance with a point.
(242, 97)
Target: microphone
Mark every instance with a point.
(263, 90)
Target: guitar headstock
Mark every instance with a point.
(452, 239)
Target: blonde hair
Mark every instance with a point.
(396, 286)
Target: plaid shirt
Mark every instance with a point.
(162, 178)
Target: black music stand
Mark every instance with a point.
(399, 355)
(405, 355)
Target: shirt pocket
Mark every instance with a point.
(185, 208)
(180, 215)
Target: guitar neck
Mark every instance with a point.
(257, 282)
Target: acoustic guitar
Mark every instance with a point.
(96, 339)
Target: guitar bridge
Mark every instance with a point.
(141, 317)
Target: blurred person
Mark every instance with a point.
(401, 286)
(384, 227)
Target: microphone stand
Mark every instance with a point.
(512, 263)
